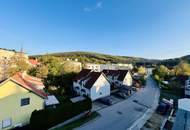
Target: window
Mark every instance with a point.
(6, 123)
(82, 90)
(25, 101)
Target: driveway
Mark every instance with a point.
(129, 113)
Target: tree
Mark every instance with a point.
(54, 64)
(32, 71)
(161, 71)
(182, 69)
(18, 63)
(71, 67)
(142, 70)
(42, 71)
(62, 82)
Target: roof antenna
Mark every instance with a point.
(21, 49)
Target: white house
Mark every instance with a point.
(119, 77)
(101, 67)
(182, 120)
(187, 88)
(94, 67)
(95, 85)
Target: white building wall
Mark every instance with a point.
(187, 88)
(187, 92)
(101, 67)
(79, 91)
(95, 67)
(128, 81)
(184, 104)
(100, 89)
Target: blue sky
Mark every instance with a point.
(142, 28)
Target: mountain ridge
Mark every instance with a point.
(95, 57)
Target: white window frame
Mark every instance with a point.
(6, 123)
(22, 103)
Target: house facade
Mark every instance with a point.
(33, 62)
(101, 67)
(119, 77)
(187, 88)
(94, 85)
(19, 97)
(182, 118)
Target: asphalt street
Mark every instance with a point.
(125, 114)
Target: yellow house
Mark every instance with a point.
(19, 97)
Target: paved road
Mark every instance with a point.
(125, 114)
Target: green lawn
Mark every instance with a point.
(79, 122)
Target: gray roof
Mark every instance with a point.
(182, 120)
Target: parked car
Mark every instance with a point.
(121, 95)
(127, 92)
(165, 106)
(134, 89)
(106, 101)
(136, 101)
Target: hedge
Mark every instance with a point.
(47, 118)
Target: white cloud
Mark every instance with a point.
(86, 9)
(98, 5)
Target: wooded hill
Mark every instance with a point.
(93, 57)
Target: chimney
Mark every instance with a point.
(23, 74)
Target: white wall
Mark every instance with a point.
(100, 89)
(76, 84)
(184, 104)
(95, 67)
(128, 81)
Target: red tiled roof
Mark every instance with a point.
(33, 62)
(26, 82)
(34, 80)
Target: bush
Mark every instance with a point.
(44, 119)
(143, 81)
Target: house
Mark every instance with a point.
(20, 95)
(187, 88)
(92, 84)
(182, 120)
(94, 67)
(33, 62)
(119, 77)
(101, 67)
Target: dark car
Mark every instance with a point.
(134, 89)
(163, 108)
(106, 101)
(127, 92)
(121, 95)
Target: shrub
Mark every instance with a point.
(44, 119)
